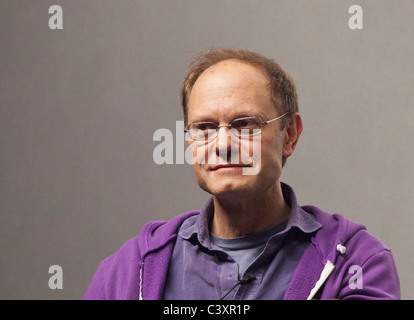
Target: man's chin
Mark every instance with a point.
(227, 190)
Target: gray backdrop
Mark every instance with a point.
(79, 107)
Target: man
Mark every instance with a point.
(251, 240)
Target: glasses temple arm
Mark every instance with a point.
(268, 121)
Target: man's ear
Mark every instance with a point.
(293, 130)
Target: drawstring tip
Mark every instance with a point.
(341, 248)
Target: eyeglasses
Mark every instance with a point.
(240, 127)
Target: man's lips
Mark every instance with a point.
(228, 166)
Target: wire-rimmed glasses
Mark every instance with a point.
(240, 127)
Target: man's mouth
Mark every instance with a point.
(229, 166)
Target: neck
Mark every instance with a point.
(236, 215)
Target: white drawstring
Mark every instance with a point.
(140, 282)
(327, 270)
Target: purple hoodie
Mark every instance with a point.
(343, 261)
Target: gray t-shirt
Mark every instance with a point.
(244, 250)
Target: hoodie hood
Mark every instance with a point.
(331, 241)
(156, 244)
(318, 261)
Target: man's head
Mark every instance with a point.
(224, 85)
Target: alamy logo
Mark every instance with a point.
(356, 280)
(56, 280)
(355, 21)
(56, 20)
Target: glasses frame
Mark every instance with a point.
(209, 138)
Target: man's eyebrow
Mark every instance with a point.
(203, 119)
(235, 115)
(255, 113)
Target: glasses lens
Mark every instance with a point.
(202, 131)
(246, 126)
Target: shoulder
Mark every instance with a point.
(152, 235)
(364, 265)
(114, 272)
(338, 230)
(121, 268)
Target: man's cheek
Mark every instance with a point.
(251, 154)
(195, 154)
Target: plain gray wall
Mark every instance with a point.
(79, 107)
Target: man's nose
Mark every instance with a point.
(223, 140)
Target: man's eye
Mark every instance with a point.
(204, 126)
(245, 123)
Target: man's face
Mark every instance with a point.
(228, 90)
